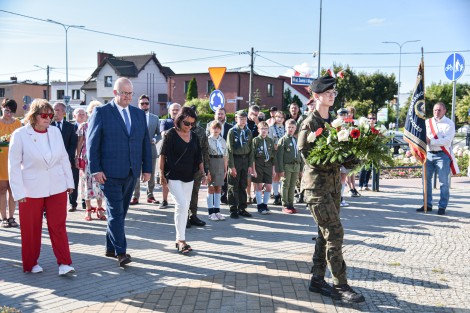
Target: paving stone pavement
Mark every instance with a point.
(399, 259)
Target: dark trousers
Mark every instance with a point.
(118, 193)
(195, 194)
(364, 177)
(237, 185)
(74, 194)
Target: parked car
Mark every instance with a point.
(397, 141)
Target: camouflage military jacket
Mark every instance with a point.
(319, 177)
(204, 143)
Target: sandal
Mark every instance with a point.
(12, 222)
(92, 210)
(100, 215)
(183, 247)
(5, 223)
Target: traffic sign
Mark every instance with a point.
(454, 67)
(217, 74)
(67, 99)
(302, 81)
(216, 100)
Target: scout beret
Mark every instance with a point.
(323, 84)
(241, 113)
(273, 109)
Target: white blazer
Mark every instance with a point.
(29, 172)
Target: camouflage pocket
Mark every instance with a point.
(322, 207)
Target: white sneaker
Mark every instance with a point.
(220, 216)
(344, 203)
(213, 217)
(65, 269)
(36, 269)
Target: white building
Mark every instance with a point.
(146, 73)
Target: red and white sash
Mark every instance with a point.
(454, 167)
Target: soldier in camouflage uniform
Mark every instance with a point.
(203, 142)
(240, 158)
(322, 188)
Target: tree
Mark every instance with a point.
(362, 107)
(443, 93)
(287, 99)
(192, 90)
(463, 108)
(257, 98)
(297, 100)
(202, 105)
(377, 87)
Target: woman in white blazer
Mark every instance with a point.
(40, 176)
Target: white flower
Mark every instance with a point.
(328, 140)
(460, 153)
(413, 159)
(311, 137)
(466, 153)
(406, 160)
(337, 123)
(366, 128)
(363, 121)
(456, 149)
(401, 151)
(343, 135)
(383, 129)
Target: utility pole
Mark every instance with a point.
(48, 84)
(250, 95)
(319, 42)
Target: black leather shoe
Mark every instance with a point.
(319, 285)
(223, 199)
(277, 200)
(73, 208)
(188, 224)
(346, 293)
(233, 215)
(111, 254)
(441, 211)
(244, 213)
(123, 259)
(421, 209)
(194, 220)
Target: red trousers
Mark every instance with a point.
(31, 213)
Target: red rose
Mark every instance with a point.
(318, 132)
(355, 133)
(348, 120)
(374, 131)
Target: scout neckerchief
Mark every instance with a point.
(453, 161)
(277, 129)
(266, 153)
(219, 148)
(295, 146)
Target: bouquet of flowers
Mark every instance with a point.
(5, 140)
(352, 145)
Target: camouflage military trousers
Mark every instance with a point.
(324, 207)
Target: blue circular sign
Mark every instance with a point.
(216, 100)
(454, 66)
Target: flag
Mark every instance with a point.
(415, 125)
(340, 74)
(296, 73)
(331, 72)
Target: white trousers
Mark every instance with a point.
(181, 194)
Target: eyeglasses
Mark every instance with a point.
(372, 118)
(331, 93)
(46, 115)
(123, 93)
(8, 112)
(144, 103)
(186, 123)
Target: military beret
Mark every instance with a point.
(323, 84)
(342, 111)
(273, 109)
(241, 113)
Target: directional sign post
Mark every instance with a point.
(453, 68)
(216, 100)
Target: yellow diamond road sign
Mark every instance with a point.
(217, 74)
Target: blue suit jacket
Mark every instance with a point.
(111, 149)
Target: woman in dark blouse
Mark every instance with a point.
(180, 159)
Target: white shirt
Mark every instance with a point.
(445, 130)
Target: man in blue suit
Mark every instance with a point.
(119, 150)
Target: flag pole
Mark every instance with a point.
(425, 184)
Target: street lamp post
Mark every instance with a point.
(399, 75)
(48, 83)
(66, 28)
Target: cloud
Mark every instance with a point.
(376, 21)
(304, 69)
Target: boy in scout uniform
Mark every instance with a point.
(264, 155)
(322, 188)
(288, 164)
(240, 159)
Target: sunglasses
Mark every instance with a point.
(46, 115)
(144, 103)
(186, 123)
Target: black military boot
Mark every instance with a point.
(319, 285)
(346, 293)
(277, 200)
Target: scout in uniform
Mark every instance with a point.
(322, 188)
(288, 165)
(264, 156)
(276, 132)
(240, 159)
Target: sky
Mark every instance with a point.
(284, 35)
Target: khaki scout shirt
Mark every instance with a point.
(286, 153)
(260, 154)
(323, 178)
(239, 142)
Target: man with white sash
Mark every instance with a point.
(440, 132)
